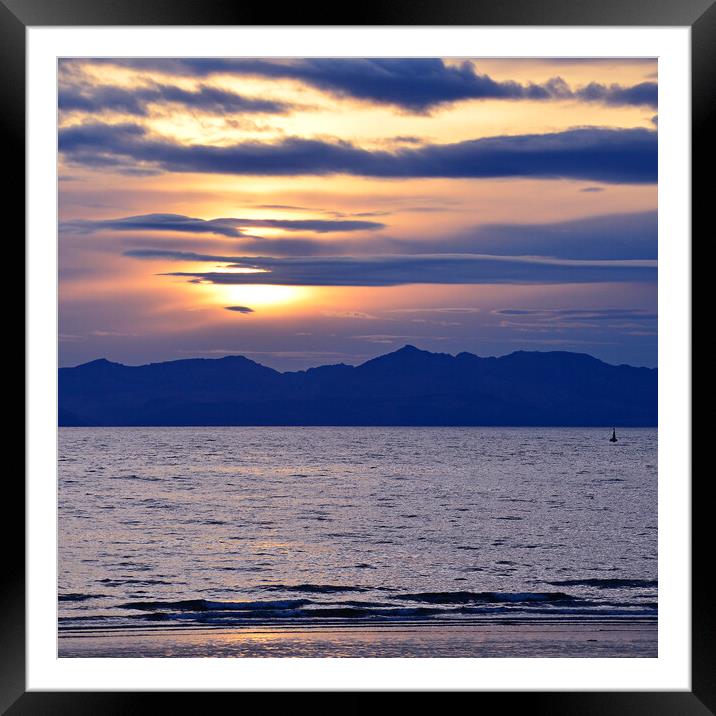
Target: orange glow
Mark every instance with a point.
(262, 296)
(118, 282)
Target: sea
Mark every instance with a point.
(240, 527)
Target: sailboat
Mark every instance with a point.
(613, 438)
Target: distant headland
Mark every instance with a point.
(406, 387)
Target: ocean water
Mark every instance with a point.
(188, 527)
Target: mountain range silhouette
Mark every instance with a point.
(406, 387)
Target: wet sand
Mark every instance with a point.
(627, 639)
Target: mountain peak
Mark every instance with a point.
(408, 348)
(407, 352)
(98, 363)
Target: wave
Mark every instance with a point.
(135, 582)
(487, 597)
(204, 605)
(606, 583)
(337, 612)
(313, 588)
(78, 597)
(445, 602)
(327, 607)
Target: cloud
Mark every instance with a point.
(388, 338)
(329, 212)
(437, 309)
(407, 139)
(137, 100)
(602, 237)
(548, 321)
(282, 207)
(222, 227)
(410, 84)
(254, 245)
(240, 309)
(645, 94)
(590, 153)
(610, 236)
(356, 315)
(416, 85)
(592, 314)
(395, 270)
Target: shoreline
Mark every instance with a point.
(593, 639)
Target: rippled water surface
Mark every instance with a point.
(243, 525)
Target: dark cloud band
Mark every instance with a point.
(137, 100)
(593, 154)
(571, 314)
(416, 85)
(610, 236)
(229, 226)
(408, 269)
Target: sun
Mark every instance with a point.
(253, 296)
(250, 295)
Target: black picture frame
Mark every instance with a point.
(699, 15)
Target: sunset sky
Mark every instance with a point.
(312, 211)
